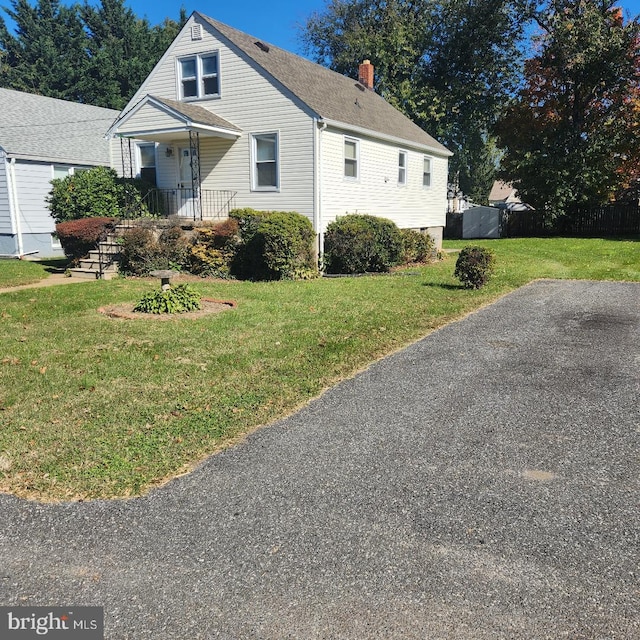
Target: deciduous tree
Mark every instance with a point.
(447, 64)
(572, 136)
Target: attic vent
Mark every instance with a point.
(262, 46)
(196, 32)
(360, 87)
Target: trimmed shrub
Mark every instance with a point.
(96, 192)
(78, 237)
(178, 299)
(140, 252)
(358, 243)
(213, 249)
(274, 245)
(288, 250)
(474, 266)
(173, 247)
(417, 246)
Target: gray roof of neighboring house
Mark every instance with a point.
(39, 128)
(330, 95)
(502, 191)
(197, 114)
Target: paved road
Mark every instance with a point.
(482, 483)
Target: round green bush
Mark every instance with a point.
(94, 193)
(417, 246)
(178, 299)
(474, 266)
(358, 243)
(274, 245)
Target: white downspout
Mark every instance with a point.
(13, 204)
(317, 206)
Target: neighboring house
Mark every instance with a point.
(41, 139)
(225, 120)
(504, 196)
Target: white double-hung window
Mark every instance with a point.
(264, 160)
(402, 168)
(426, 172)
(199, 76)
(351, 159)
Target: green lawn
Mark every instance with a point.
(98, 407)
(17, 272)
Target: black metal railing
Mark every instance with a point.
(203, 204)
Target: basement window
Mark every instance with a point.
(199, 76)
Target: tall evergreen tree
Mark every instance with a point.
(96, 55)
(122, 51)
(48, 53)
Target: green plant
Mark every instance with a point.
(86, 194)
(140, 252)
(474, 266)
(358, 243)
(177, 299)
(274, 245)
(213, 249)
(78, 237)
(417, 246)
(173, 246)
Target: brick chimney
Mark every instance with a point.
(365, 74)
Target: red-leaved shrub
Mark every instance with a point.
(78, 237)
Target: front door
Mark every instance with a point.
(186, 202)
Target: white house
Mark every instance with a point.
(41, 139)
(225, 119)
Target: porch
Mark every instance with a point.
(198, 204)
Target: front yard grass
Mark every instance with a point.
(16, 272)
(96, 407)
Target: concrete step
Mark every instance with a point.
(94, 263)
(94, 254)
(85, 273)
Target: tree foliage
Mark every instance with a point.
(572, 136)
(449, 65)
(93, 54)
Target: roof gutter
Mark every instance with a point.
(387, 138)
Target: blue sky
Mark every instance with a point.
(276, 22)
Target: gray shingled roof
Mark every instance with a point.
(40, 128)
(198, 115)
(330, 95)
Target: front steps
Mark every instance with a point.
(107, 254)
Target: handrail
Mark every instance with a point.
(213, 204)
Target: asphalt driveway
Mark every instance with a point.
(483, 483)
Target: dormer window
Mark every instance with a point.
(199, 76)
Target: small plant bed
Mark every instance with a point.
(128, 311)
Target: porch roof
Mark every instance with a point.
(164, 120)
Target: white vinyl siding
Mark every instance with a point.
(376, 192)
(251, 102)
